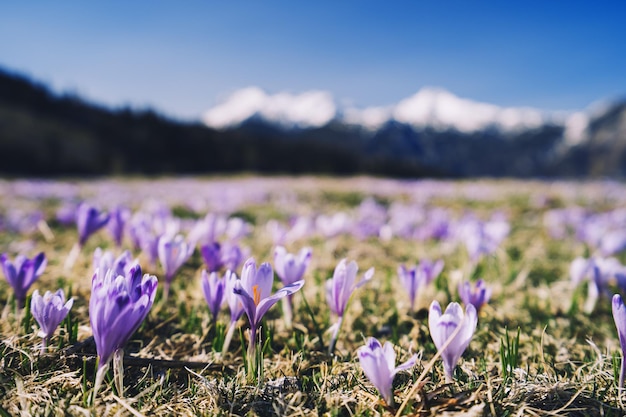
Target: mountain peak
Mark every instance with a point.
(309, 109)
(442, 110)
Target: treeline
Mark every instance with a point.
(44, 134)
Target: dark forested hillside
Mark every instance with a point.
(44, 134)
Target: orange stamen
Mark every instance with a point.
(256, 294)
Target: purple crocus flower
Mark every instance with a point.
(89, 220)
(22, 273)
(213, 288)
(49, 311)
(149, 244)
(430, 269)
(234, 305)
(118, 306)
(443, 326)
(478, 295)
(255, 292)
(208, 230)
(117, 223)
(619, 315)
(173, 253)
(419, 276)
(290, 269)
(66, 213)
(379, 365)
(599, 271)
(339, 289)
(217, 256)
(411, 281)
(212, 256)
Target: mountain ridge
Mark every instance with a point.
(429, 107)
(42, 133)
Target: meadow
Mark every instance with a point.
(545, 343)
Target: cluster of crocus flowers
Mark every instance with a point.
(451, 332)
(255, 292)
(22, 273)
(478, 294)
(121, 298)
(339, 289)
(379, 365)
(49, 311)
(290, 268)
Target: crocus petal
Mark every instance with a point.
(268, 302)
(248, 275)
(213, 289)
(619, 316)
(234, 303)
(579, 268)
(247, 301)
(406, 365)
(434, 315)
(389, 354)
(367, 276)
(39, 263)
(264, 280)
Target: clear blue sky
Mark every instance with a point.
(180, 57)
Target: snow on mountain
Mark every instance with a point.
(441, 110)
(371, 117)
(308, 109)
(430, 107)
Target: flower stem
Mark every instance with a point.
(72, 257)
(118, 371)
(229, 337)
(102, 370)
(288, 310)
(252, 359)
(621, 376)
(333, 340)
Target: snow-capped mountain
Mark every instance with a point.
(436, 129)
(433, 108)
(308, 109)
